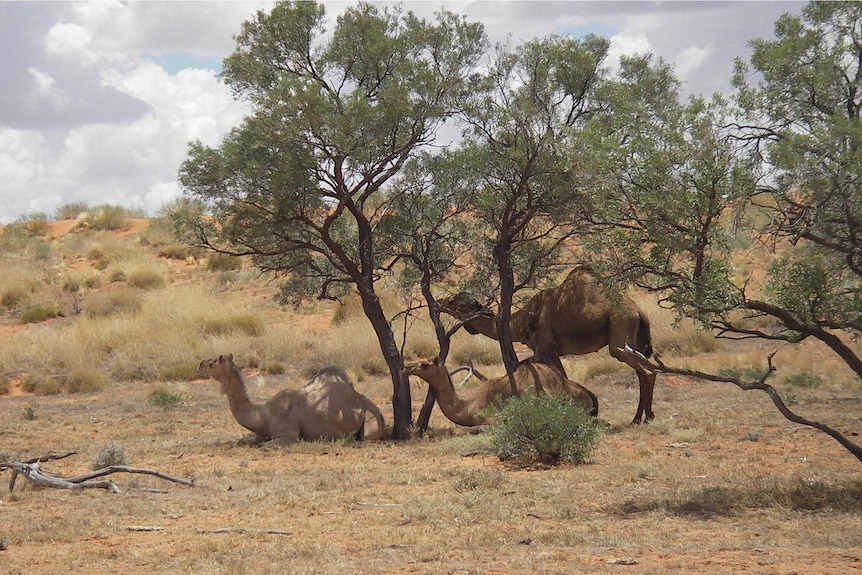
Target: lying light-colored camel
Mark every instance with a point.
(530, 376)
(574, 318)
(327, 407)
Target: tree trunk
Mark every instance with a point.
(504, 315)
(402, 408)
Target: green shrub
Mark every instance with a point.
(173, 251)
(146, 279)
(14, 238)
(110, 454)
(808, 380)
(13, 295)
(116, 275)
(70, 211)
(86, 380)
(47, 386)
(241, 323)
(39, 313)
(223, 263)
(164, 398)
(39, 250)
(545, 428)
(272, 367)
(106, 218)
(180, 372)
(103, 304)
(29, 413)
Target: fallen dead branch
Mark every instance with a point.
(244, 531)
(31, 471)
(659, 366)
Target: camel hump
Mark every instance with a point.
(331, 373)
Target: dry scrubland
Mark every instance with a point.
(102, 331)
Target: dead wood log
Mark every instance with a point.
(31, 470)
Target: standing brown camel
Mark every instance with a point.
(529, 376)
(574, 318)
(327, 407)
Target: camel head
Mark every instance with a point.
(465, 307)
(429, 369)
(220, 369)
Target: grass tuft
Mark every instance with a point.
(111, 453)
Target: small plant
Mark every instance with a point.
(39, 313)
(86, 380)
(70, 211)
(119, 301)
(110, 454)
(475, 479)
(145, 279)
(187, 371)
(545, 428)
(173, 251)
(29, 413)
(5, 384)
(162, 397)
(223, 263)
(808, 380)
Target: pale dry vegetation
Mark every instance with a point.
(719, 482)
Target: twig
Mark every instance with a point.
(244, 531)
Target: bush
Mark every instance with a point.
(86, 380)
(223, 263)
(146, 279)
(5, 385)
(118, 301)
(173, 251)
(808, 380)
(107, 218)
(110, 454)
(187, 371)
(70, 211)
(163, 398)
(545, 428)
(39, 313)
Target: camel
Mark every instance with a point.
(327, 407)
(574, 318)
(529, 376)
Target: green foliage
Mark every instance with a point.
(808, 380)
(107, 218)
(235, 323)
(70, 211)
(29, 413)
(164, 398)
(219, 262)
(545, 428)
(39, 313)
(86, 380)
(109, 454)
(116, 301)
(145, 279)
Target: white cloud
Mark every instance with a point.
(70, 41)
(691, 59)
(627, 43)
(45, 89)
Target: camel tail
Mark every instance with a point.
(595, 410)
(644, 342)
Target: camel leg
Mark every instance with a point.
(360, 433)
(646, 383)
(646, 380)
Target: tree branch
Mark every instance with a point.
(659, 366)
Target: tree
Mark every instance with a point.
(536, 97)
(684, 186)
(300, 186)
(803, 93)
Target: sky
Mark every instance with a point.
(99, 99)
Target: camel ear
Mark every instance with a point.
(437, 360)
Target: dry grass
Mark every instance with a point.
(718, 483)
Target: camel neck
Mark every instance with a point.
(246, 413)
(457, 410)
